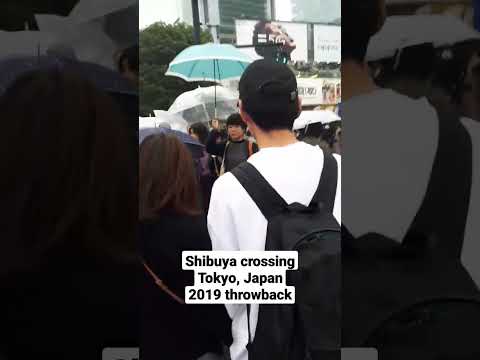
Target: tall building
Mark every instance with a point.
(317, 11)
(229, 10)
(219, 15)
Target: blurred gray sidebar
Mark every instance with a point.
(359, 354)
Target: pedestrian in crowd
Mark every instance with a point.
(327, 136)
(469, 102)
(419, 73)
(129, 64)
(476, 89)
(68, 235)
(409, 160)
(236, 149)
(385, 119)
(208, 175)
(171, 221)
(269, 105)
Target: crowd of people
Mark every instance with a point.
(410, 194)
(204, 206)
(69, 266)
(410, 190)
(93, 236)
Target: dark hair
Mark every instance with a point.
(131, 56)
(69, 171)
(235, 119)
(266, 52)
(201, 130)
(415, 62)
(451, 71)
(167, 180)
(314, 130)
(278, 120)
(331, 131)
(361, 19)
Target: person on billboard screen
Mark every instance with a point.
(266, 32)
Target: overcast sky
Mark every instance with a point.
(152, 11)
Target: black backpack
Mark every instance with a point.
(415, 300)
(310, 328)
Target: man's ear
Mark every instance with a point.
(243, 114)
(299, 107)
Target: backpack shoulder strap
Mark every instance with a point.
(327, 187)
(262, 193)
(441, 218)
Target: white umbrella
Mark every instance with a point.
(199, 105)
(118, 18)
(88, 40)
(307, 118)
(88, 10)
(400, 32)
(175, 121)
(147, 122)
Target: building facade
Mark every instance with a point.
(229, 10)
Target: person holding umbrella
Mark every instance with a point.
(236, 149)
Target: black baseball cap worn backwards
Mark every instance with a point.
(268, 87)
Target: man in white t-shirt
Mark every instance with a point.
(391, 139)
(269, 104)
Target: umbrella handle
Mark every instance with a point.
(215, 88)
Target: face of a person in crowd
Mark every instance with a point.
(235, 132)
(129, 74)
(193, 135)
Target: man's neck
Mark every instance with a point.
(355, 80)
(275, 138)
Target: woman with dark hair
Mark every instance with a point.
(171, 221)
(208, 164)
(68, 261)
(199, 131)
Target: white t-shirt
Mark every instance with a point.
(390, 142)
(236, 223)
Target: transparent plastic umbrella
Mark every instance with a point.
(312, 117)
(204, 104)
(400, 32)
(209, 62)
(175, 121)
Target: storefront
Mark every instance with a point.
(319, 93)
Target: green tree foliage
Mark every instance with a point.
(159, 44)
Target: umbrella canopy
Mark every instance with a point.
(209, 62)
(199, 105)
(88, 40)
(312, 117)
(196, 148)
(118, 18)
(174, 121)
(87, 10)
(400, 32)
(105, 79)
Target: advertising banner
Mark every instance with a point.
(327, 43)
(292, 38)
